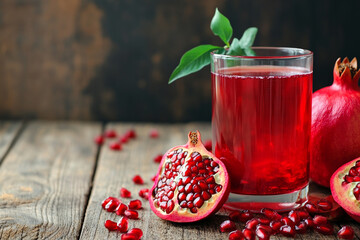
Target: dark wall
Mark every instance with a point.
(111, 59)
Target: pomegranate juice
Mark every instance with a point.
(261, 120)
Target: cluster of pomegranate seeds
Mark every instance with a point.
(158, 158)
(195, 186)
(270, 222)
(117, 145)
(354, 174)
(137, 179)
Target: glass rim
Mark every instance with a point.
(303, 53)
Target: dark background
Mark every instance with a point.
(110, 59)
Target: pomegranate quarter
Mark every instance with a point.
(190, 184)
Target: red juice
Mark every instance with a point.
(261, 118)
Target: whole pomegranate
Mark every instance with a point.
(345, 187)
(191, 183)
(335, 128)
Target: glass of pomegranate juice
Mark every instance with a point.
(261, 120)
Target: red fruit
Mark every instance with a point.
(335, 134)
(345, 193)
(287, 231)
(115, 146)
(99, 140)
(301, 227)
(123, 225)
(248, 234)
(132, 214)
(110, 134)
(129, 236)
(138, 180)
(158, 158)
(110, 225)
(191, 183)
(135, 204)
(144, 193)
(154, 133)
(121, 209)
(110, 204)
(346, 232)
(326, 229)
(271, 214)
(227, 226)
(125, 193)
(136, 231)
(208, 145)
(320, 220)
(236, 235)
(130, 134)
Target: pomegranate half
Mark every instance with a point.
(345, 188)
(190, 184)
(335, 128)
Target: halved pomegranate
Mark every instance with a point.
(191, 183)
(345, 187)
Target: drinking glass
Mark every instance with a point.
(261, 120)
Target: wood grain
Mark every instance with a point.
(8, 132)
(46, 179)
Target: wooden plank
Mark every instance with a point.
(8, 132)
(116, 169)
(46, 179)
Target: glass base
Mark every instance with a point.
(280, 203)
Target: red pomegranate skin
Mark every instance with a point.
(335, 130)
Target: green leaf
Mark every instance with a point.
(248, 37)
(221, 27)
(249, 52)
(235, 48)
(192, 61)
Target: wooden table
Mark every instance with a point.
(53, 179)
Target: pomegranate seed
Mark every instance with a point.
(346, 232)
(294, 216)
(208, 145)
(319, 220)
(112, 204)
(138, 180)
(262, 232)
(107, 200)
(227, 226)
(153, 178)
(124, 139)
(326, 229)
(110, 225)
(135, 204)
(144, 193)
(125, 193)
(130, 134)
(115, 146)
(99, 140)
(123, 225)
(251, 224)
(154, 133)
(248, 234)
(271, 214)
(303, 214)
(121, 209)
(236, 235)
(311, 208)
(287, 231)
(287, 221)
(136, 231)
(110, 134)
(324, 205)
(132, 214)
(301, 227)
(128, 236)
(264, 220)
(309, 222)
(275, 225)
(158, 158)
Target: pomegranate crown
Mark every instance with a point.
(346, 73)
